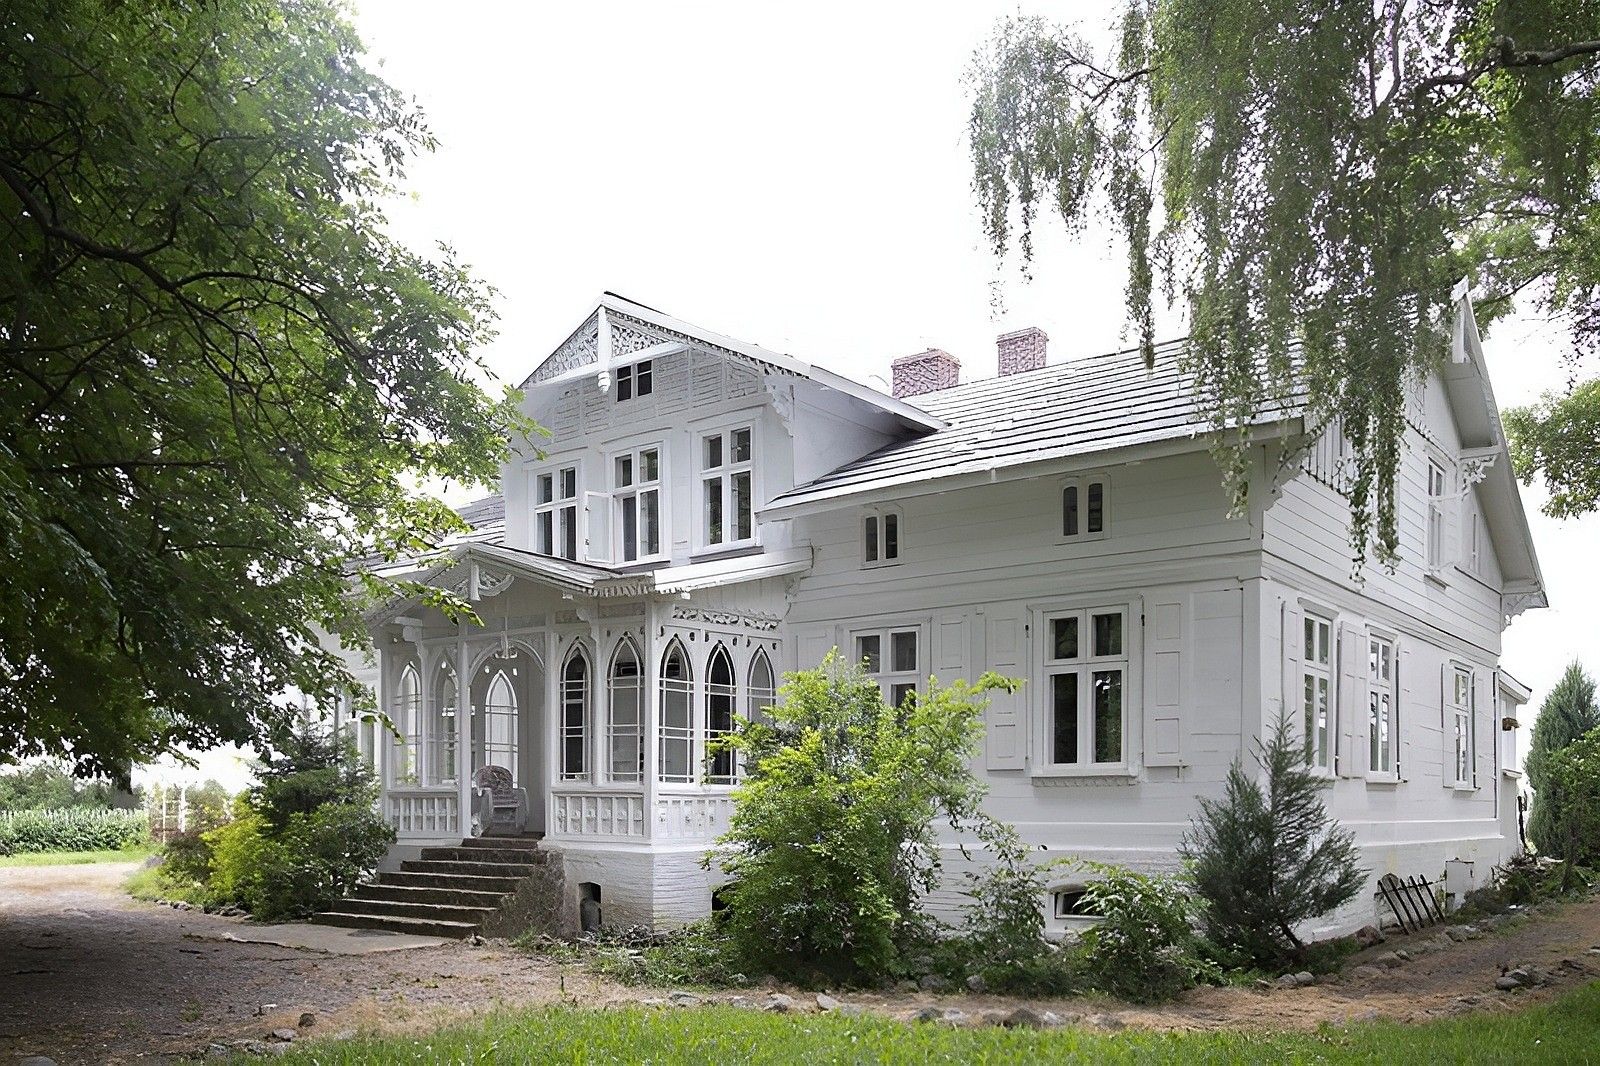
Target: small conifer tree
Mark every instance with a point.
(1568, 712)
(1268, 856)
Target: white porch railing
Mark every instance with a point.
(424, 813)
(597, 814)
(693, 816)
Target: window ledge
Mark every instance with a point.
(1508, 772)
(1382, 781)
(725, 551)
(1464, 789)
(1436, 577)
(1110, 775)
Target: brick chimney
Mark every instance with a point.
(926, 371)
(1021, 350)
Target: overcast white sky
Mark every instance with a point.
(795, 176)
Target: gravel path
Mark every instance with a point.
(90, 975)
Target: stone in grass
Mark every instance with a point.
(1507, 983)
(944, 1015)
(1388, 960)
(1286, 981)
(1109, 1022)
(1456, 933)
(684, 999)
(826, 1002)
(932, 982)
(976, 983)
(778, 1003)
(1028, 1018)
(283, 1036)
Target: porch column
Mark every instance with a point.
(652, 715)
(463, 736)
(549, 732)
(383, 739)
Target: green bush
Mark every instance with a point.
(831, 842)
(299, 841)
(71, 829)
(1568, 712)
(1143, 947)
(1572, 799)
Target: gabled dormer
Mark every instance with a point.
(667, 441)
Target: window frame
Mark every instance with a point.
(1459, 721)
(879, 538)
(1312, 670)
(570, 694)
(892, 682)
(1079, 484)
(614, 731)
(559, 508)
(636, 490)
(685, 735)
(1084, 666)
(1378, 686)
(723, 476)
(1434, 524)
(715, 690)
(442, 712)
(637, 379)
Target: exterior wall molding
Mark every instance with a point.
(716, 616)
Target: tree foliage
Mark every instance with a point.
(220, 378)
(1567, 713)
(1268, 856)
(48, 785)
(831, 841)
(1309, 183)
(1572, 784)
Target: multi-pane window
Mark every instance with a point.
(495, 739)
(624, 716)
(1381, 702)
(721, 694)
(677, 716)
(1085, 507)
(1459, 694)
(555, 512)
(636, 379)
(1086, 670)
(636, 477)
(762, 691)
(1436, 513)
(880, 537)
(726, 506)
(408, 722)
(1316, 691)
(575, 716)
(890, 657)
(442, 727)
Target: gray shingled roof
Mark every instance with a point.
(480, 513)
(1068, 409)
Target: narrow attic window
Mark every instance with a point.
(1085, 508)
(880, 537)
(636, 379)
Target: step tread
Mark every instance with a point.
(488, 896)
(418, 905)
(324, 918)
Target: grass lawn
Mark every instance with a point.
(75, 858)
(1567, 1031)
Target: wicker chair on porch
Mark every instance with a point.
(499, 808)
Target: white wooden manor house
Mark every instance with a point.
(711, 514)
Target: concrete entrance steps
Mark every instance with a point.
(447, 891)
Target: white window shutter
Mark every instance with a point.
(1352, 699)
(1165, 683)
(1400, 729)
(1293, 654)
(597, 524)
(1006, 720)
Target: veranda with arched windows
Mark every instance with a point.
(604, 712)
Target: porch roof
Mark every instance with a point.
(479, 570)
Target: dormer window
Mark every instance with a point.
(636, 379)
(555, 513)
(1085, 508)
(727, 509)
(880, 536)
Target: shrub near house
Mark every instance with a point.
(298, 841)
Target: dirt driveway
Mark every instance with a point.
(89, 975)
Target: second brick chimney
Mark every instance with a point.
(1021, 350)
(927, 371)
